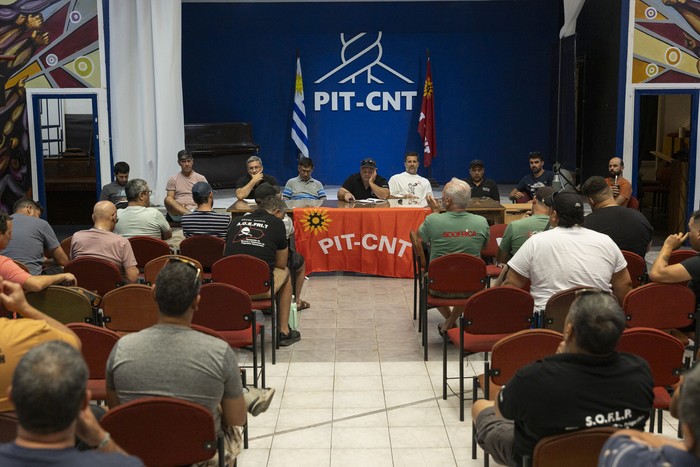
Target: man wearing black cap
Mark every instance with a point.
(203, 220)
(179, 187)
(481, 187)
(568, 255)
(410, 185)
(364, 184)
(247, 185)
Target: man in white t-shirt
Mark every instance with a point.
(179, 187)
(568, 255)
(409, 184)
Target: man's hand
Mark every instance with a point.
(257, 178)
(88, 428)
(616, 190)
(433, 204)
(515, 194)
(12, 296)
(69, 279)
(349, 198)
(410, 196)
(561, 347)
(674, 241)
(373, 177)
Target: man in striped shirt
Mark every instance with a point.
(304, 186)
(203, 220)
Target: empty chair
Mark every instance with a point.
(147, 248)
(97, 344)
(575, 449)
(633, 203)
(659, 306)
(206, 249)
(153, 267)
(64, 304)
(130, 308)
(678, 256)
(65, 245)
(558, 307)
(95, 274)
(637, 267)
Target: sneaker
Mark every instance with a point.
(261, 400)
(288, 339)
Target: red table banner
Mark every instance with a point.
(367, 240)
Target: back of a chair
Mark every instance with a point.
(97, 344)
(163, 431)
(130, 308)
(660, 306)
(206, 249)
(64, 304)
(223, 307)
(208, 331)
(153, 267)
(636, 266)
(498, 310)
(495, 232)
(246, 272)
(457, 272)
(8, 427)
(95, 274)
(679, 256)
(575, 449)
(663, 352)
(65, 245)
(21, 265)
(558, 307)
(633, 203)
(418, 252)
(147, 249)
(517, 350)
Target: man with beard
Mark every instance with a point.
(621, 187)
(409, 185)
(527, 187)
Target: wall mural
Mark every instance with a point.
(43, 44)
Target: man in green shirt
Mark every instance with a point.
(518, 231)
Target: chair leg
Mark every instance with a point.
(660, 421)
(461, 369)
(255, 352)
(474, 397)
(652, 418)
(220, 450)
(415, 298)
(262, 355)
(444, 367)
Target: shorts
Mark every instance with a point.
(281, 276)
(297, 261)
(496, 436)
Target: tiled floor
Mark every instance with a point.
(356, 391)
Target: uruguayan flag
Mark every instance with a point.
(299, 134)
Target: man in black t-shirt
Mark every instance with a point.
(481, 187)
(247, 184)
(364, 184)
(262, 235)
(628, 228)
(525, 190)
(688, 270)
(586, 384)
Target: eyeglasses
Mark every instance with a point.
(198, 275)
(367, 162)
(534, 154)
(148, 192)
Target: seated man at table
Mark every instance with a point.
(364, 184)
(304, 186)
(525, 190)
(481, 187)
(410, 185)
(453, 231)
(248, 184)
(261, 234)
(178, 200)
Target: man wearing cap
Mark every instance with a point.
(304, 187)
(481, 187)
(247, 185)
(364, 184)
(138, 218)
(519, 231)
(567, 256)
(410, 185)
(621, 187)
(179, 187)
(203, 220)
(528, 185)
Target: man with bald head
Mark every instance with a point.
(100, 241)
(621, 187)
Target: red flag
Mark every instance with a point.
(426, 121)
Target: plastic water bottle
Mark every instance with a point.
(293, 319)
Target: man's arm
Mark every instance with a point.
(244, 191)
(89, 430)
(502, 256)
(173, 206)
(131, 274)
(381, 192)
(514, 279)
(234, 412)
(281, 257)
(37, 283)
(345, 195)
(59, 256)
(112, 399)
(661, 271)
(621, 284)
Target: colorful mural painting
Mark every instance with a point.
(43, 44)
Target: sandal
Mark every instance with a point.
(303, 305)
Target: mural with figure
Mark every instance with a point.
(43, 44)
(666, 41)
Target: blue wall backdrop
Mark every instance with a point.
(491, 65)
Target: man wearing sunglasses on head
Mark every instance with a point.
(364, 184)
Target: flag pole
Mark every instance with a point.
(430, 167)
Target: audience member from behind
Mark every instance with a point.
(586, 384)
(367, 183)
(528, 185)
(304, 187)
(481, 187)
(410, 185)
(17, 336)
(203, 220)
(171, 359)
(568, 255)
(620, 186)
(688, 270)
(178, 200)
(115, 191)
(31, 237)
(247, 185)
(261, 234)
(49, 390)
(517, 232)
(453, 231)
(9, 270)
(100, 241)
(631, 448)
(139, 218)
(628, 228)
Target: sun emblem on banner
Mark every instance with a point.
(428, 88)
(316, 220)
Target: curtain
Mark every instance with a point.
(146, 89)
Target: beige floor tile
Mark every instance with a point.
(357, 356)
(358, 383)
(359, 417)
(404, 368)
(310, 438)
(260, 442)
(311, 369)
(423, 457)
(355, 457)
(415, 416)
(419, 437)
(309, 383)
(360, 437)
(307, 399)
(358, 369)
(299, 456)
(407, 383)
(311, 354)
(254, 456)
(396, 398)
(306, 417)
(362, 399)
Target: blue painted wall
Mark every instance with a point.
(491, 65)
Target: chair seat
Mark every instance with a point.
(662, 399)
(493, 271)
(241, 338)
(434, 301)
(98, 388)
(474, 343)
(261, 304)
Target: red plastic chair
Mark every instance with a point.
(419, 264)
(678, 256)
(664, 353)
(574, 449)
(489, 316)
(163, 431)
(95, 274)
(147, 249)
(637, 267)
(228, 310)
(153, 267)
(253, 276)
(97, 344)
(659, 306)
(206, 249)
(633, 203)
(489, 253)
(557, 308)
(129, 309)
